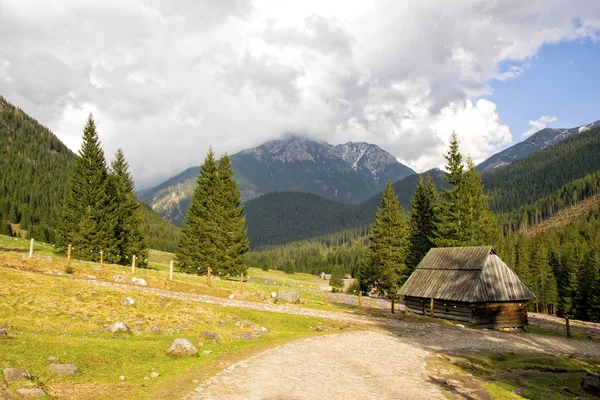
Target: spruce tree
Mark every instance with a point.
(201, 244)
(86, 220)
(232, 223)
(385, 269)
(449, 231)
(422, 222)
(480, 227)
(128, 235)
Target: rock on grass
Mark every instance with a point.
(182, 347)
(15, 374)
(65, 369)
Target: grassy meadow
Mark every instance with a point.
(49, 313)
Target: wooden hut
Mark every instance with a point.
(467, 284)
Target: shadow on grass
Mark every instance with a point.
(13, 250)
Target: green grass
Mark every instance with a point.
(546, 388)
(55, 315)
(514, 376)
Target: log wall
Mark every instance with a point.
(482, 315)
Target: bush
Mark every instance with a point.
(288, 267)
(337, 279)
(354, 288)
(68, 270)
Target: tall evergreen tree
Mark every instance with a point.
(385, 269)
(422, 222)
(128, 234)
(87, 220)
(232, 225)
(200, 243)
(479, 225)
(449, 227)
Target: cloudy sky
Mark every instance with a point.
(165, 80)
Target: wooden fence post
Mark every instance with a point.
(242, 283)
(568, 326)
(393, 308)
(69, 254)
(171, 270)
(133, 265)
(101, 262)
(326, 297)
(31, 248)
(359, 299)
(208, 276)
(431, 307)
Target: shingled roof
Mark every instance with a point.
(466, 274)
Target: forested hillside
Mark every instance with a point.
(543, 173)
(282, 217)
(36, 167)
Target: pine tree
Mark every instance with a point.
(127, 235)
(200, 244)
(87, 213)
(449, 229)
(422, 222)
(544, 282)
(386, 256)
(480, 227)
(337, 279)
(232, 225)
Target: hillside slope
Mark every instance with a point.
(34, 181)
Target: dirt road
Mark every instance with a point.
(353, 365)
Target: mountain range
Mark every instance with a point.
(347, 173)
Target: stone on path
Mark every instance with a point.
(139, 281)
(182, 347)
(288, 295)
(273, 294)
(127, 301)
(459, 325)
(232, 296)
(33, 392)
(119, 327)
(15, 374)
(590, 383)
(119, 278)
(65, 369)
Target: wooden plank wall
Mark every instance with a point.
(482, 315)
(500, 315)
(453, 310)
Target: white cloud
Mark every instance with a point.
(538, 124)
(169, 79)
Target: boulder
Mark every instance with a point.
(119, 327)
(288, 295)
(139, 281)
(127, 301)
(33, 392)
(122, 378)
(182, 347)
(590, 383)
(211, 336)
(15, 374)
(273, 294)
(322, 328)
(65, 369)
(119, 278)
(154, 375)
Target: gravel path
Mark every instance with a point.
(354, 365)
(385, 362)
